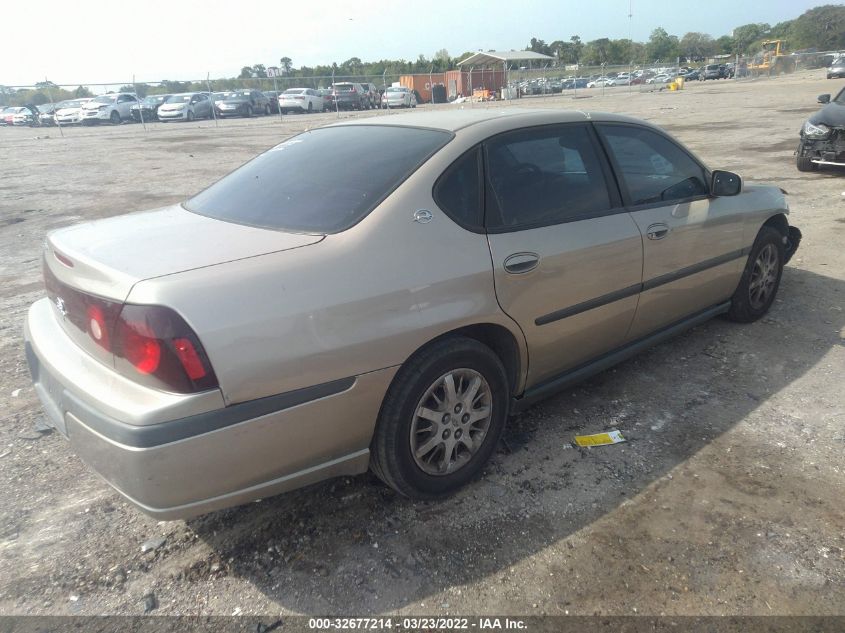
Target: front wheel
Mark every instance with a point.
(760, 279)
(190, 115)
(248, 111)
(805, 163)
(114, 118)
(441, 419)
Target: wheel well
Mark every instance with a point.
(779, 223)
(500, 340)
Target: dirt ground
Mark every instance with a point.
(727, 498)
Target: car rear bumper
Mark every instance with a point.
(177, 456)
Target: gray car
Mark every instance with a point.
(329, 314)
(836, 69)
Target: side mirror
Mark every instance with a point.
(725, 183)
(824, 98)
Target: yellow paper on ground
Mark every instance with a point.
(599, 439)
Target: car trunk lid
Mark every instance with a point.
(107, 257)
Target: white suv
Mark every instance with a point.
(113, 108)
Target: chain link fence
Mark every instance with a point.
(61, 105)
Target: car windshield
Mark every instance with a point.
(69, 104)
(315, 182)
(155, 100)
(294, 91)
(179, 99)
(395, 90)
(343, 87)
(105, 99)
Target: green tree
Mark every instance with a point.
(749, 37)
(246, 72)
(696, 46)
(286, 64)
(822, 28)
(661, 46)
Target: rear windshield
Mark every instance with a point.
(316, 182)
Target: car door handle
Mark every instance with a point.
(519, 263)
(657, 231)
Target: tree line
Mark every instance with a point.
(821, 28)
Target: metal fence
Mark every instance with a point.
(474, 84)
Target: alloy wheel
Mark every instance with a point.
(451, 422)
(764, 275)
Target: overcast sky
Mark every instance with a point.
(109, 41)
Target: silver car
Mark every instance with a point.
(398, 97)
(330, 314)
(185, 107)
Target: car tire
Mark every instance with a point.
(190, 116)
(310, 107)
(114, 117)
(248, 112)
(267, 110)
(760, 279)
(426, 458)
(805, 163)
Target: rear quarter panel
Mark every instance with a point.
(357, 302)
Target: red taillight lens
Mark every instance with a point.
(189, 358)
(156, 347)
(139, 347)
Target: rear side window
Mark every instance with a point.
(316, 182)
(458, 191)
(653, 168)
(544, 176)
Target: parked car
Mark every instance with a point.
(713, 71)
(70, 112)
(19, 116)
(372, 94)
(148, 107)
(112, 108)
(244, 103)
(659, 79)
(822, 137)
(836, 69)
(286, 332)
(692, 75)
(7, 114)
(328, 100)
(46, 112)
(602, 82)
(349, 96)
(398, 97)
(186, 106)
(273, 98)
(622, 79)
(300, 100)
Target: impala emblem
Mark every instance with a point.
(60, 306)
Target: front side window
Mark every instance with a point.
(653, 168)
(544, 176)
(316, 182)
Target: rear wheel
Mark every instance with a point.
(761, 278)
(441, 419)
(190, 115)
(267, 110)
(248, 111)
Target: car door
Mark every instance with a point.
(202, 108)
(567, 257)
(124, 102)
(692, 242)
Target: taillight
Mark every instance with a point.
(98, 328)
(153, 345)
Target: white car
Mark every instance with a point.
(70, 112)
(300, 100)
(622, 79)
(186, 106)
(659, 79)
(601, 82)
(398, 97)
(113, 108)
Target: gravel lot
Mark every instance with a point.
(727, 498)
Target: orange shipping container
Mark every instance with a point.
(422, 84)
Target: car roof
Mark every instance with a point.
(454, 120)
